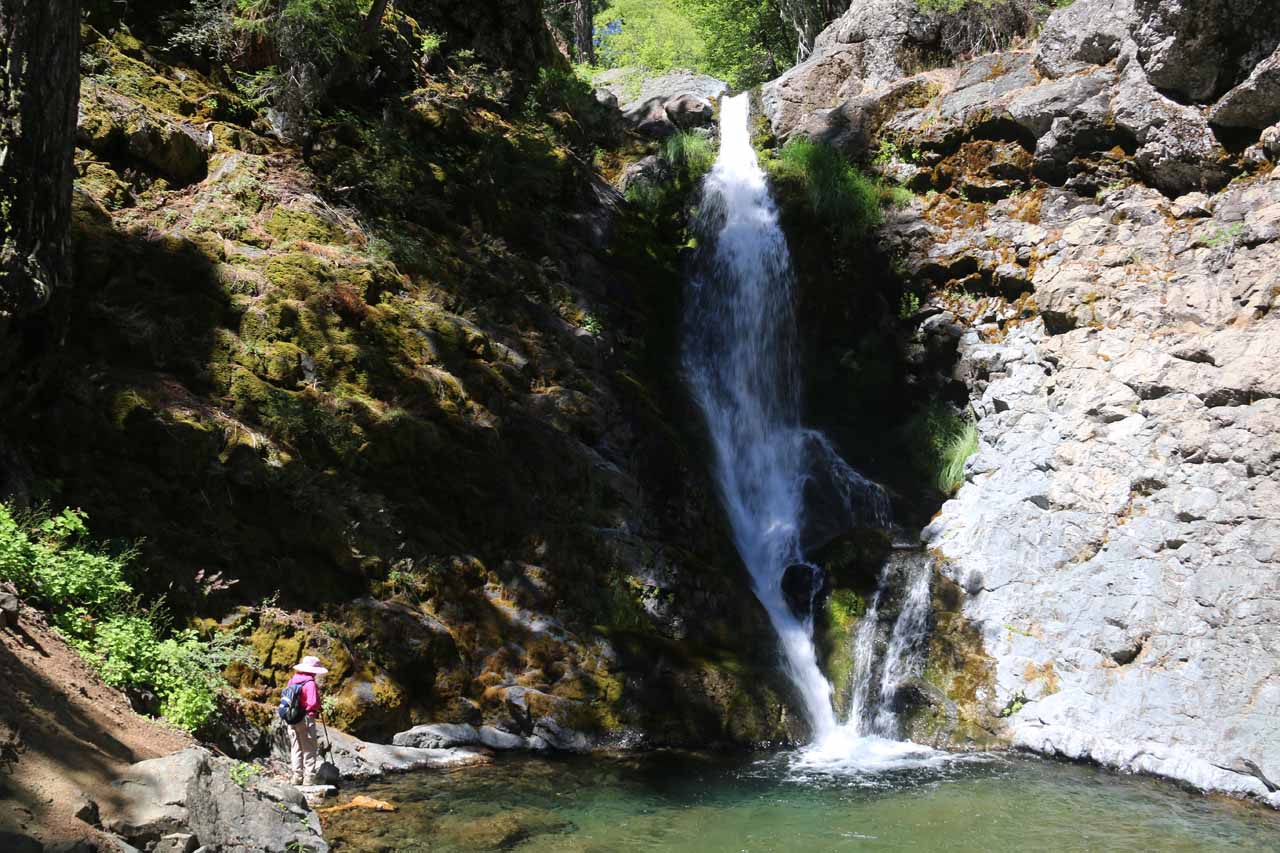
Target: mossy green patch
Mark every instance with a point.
(299, 275)
(292, 223)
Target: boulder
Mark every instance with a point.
(1266, 150)
(689, 111)
(873, 44)
(176, 842)
(676, 83)
(116, 128)
(358, 759)
(1177, 152)
(1200, 50)
(1088, 32)
(438, 736)
(192, 793)
(1254, 103)
(851, 126)
(9, 606)
(650, 119)
(648, 171)
(496, 738)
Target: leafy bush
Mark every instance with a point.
(746, 41)
(653, 34)
(83, 587)
(941, 441)
(646, 196)
(835, 191)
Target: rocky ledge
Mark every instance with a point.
(1096, 239)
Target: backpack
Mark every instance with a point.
(291, 710)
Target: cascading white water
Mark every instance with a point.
(741, 363)
(864, 655)
(902, 657)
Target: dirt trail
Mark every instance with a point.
(62, 732)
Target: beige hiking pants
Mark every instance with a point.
(304, 751)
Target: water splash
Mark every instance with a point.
(905, 654)
(864, 658)
(740, 358)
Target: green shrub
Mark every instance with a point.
(83, 587)
(940, 442)
(835, 191)
(45, 558)
(646, 196)
(690, 154)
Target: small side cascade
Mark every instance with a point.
(864, 658)
(904, 657)
(876, 680)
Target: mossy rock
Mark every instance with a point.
(105, 185)
(290, 223)
(299, 275)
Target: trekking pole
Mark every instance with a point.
(328, 745)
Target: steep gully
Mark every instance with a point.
(741, 363)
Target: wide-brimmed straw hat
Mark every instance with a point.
(310, 664)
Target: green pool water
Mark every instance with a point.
(695, 802)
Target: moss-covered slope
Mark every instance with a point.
(402, 396)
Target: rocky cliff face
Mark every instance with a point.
(1098, 238)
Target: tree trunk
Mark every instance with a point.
(39, 96)
(374, 19)
(583, 34)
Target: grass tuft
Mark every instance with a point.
(835, 191)
(955, 453)
(690, 154)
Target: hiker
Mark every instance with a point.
(298, 708)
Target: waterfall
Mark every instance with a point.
(740, 359)
(864, 658)
(906, 649)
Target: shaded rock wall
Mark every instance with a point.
(402, 400)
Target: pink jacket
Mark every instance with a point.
(310, 693)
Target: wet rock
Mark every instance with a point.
(801, 586)
(496, 738)
(501, 831)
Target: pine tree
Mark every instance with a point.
(39, 95)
